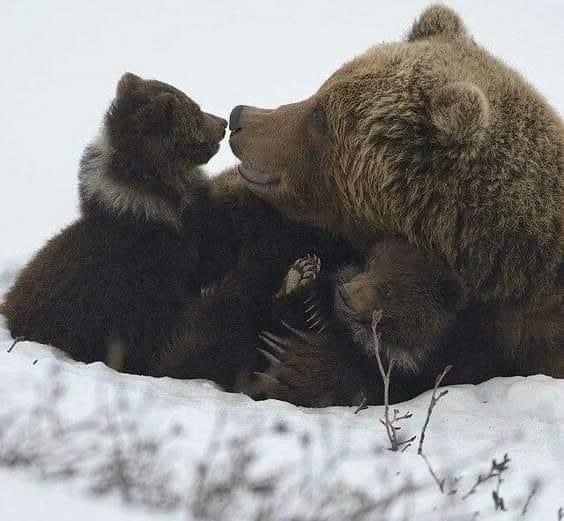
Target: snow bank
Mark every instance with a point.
(74, 421)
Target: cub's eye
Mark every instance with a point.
(319, 120)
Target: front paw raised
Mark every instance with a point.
(298, 294)
(301, 276)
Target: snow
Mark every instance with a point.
(61, 61)
(470, 426)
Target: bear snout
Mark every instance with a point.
(216, 126)
(245, 115)
(235, 120)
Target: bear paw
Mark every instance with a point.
(301, 276)
(302, 368)
(297, 300)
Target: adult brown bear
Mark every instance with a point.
(435, 140)
(432, 139)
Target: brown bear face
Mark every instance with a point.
(334, 158)
(158, 129)
(432, 139)
(283, 153)
(418, 297)
(144, 160)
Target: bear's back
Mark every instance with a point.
(98, 282)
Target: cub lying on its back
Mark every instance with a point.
(326, 355)
(120, 275)
(333, 362)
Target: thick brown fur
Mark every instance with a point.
(423, 328)
(166, 272)
(112, 284)
(433, 139)
(217, 336)
(328, 356)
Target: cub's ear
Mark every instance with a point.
(127, 83)
(459, 113)
(437, 20)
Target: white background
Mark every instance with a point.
(61, 60)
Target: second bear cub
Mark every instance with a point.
(329, 358)
(111, 285)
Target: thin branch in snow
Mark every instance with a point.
(534, 489)
(434, 400)
(17, 340)
(363, 405)
(390, 423)
(496, 471)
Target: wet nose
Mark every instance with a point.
(235, 120)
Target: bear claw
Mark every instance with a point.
(271, 359)
(302, 273)
(266, 378)
(272, 341)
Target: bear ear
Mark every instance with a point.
(437, 20)
(459, 113)
(127, 83)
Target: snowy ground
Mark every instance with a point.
(80, 439)
(67, 428)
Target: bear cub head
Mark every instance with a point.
(144, 160)
(418, 298)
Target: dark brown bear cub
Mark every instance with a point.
(326, 354)
(329, 357)
(121, 274)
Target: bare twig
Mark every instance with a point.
(390, 424)
(497, 499)
(496, 471)
(17, 340)
(560, 514)
(434, 400)
(534, 489)
(363, 405)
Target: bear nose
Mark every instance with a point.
(235, 120)
(222, 125)
(216, 126)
